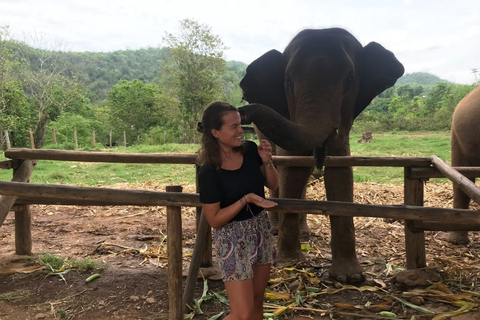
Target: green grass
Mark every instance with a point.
(398, 145)
(19, 294)
(55, 263)
(91, 174)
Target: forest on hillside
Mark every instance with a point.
(156, 95)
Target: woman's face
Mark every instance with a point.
(230, 134)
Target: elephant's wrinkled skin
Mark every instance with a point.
(305, 101)
(465, 149)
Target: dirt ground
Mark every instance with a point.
(130, 242)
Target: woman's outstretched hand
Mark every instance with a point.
(259, 201)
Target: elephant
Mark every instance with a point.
(465, 149)
(304, 100)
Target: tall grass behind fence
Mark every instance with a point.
(81, 140)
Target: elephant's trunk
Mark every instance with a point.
(284, 133)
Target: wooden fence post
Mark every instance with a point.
(93, 139)
(32, 141)
(414, 239)
(124, 139)
(202, 230)
(23, 230)
(23, 216)
(75, 138)
(206, 251)
(174, 253)
(110, 137)
(7, 140)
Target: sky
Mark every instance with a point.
(441, 37)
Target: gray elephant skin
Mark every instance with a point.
(465, 149)
(304, 100)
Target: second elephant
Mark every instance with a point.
(465, 148)
(305, 100)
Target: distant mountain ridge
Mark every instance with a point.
(420, 79)
(99, 71)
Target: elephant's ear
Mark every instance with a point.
(264, 82)
(380, 71)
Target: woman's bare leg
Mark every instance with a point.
(261, 275)
(241, 296)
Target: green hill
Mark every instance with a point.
(100, 71)
(420, 79)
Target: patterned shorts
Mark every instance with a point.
(240, 245)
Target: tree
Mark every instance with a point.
(67, 123)
(43, 78)
(195, 68)
(15, 114)
(11, 92)
(235, 72)
(437, 97)
(136, 107)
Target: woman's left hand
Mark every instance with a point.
(265, 151)
(259, 201)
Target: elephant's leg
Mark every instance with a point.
(273, 215)
(345, 265)
(271, 193)
(462, 157)
(293, 181)
(304, 228)
(460, 201)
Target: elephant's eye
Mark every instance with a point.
(347, 83)
(288, 84)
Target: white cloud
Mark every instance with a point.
(440, 36)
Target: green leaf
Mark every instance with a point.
(298, 298)
(205, 288)
(387, 314)
(217, 316)
(413, 306)
(198, 309)
(58, 273)
(305, 247)
(221, 298)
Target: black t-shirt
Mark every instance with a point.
(228, 186)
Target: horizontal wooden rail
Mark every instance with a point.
(87, 156)
(427, 173)
(183, 158)
(6, 164)
(438, 226)
(21, 174)
(61, 194)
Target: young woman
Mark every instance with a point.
(232, 177)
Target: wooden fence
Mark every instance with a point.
(18, 194)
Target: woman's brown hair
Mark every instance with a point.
(209, 153)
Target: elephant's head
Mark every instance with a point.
(315, 89)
